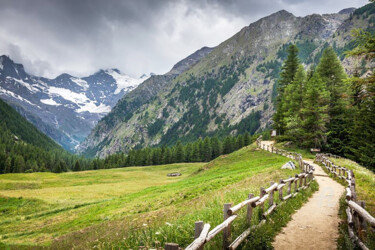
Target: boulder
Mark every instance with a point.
(289, 165)
(174, 174)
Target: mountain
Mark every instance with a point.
(21, 130)
(65, 108)
(229, 89)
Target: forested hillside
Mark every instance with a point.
(230, 90)
(325, 109)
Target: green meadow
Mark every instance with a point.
(137, 206)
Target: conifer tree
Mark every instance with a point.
(207, 150)
(287, 75)
(216, 147)
(77, 166)
(180, 154)
(315, 112)
(333, 75)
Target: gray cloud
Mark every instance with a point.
(137, 36)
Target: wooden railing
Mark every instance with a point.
(202, 232)
(358, 218)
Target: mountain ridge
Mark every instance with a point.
(227, 89)
(66, 107)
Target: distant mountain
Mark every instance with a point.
(65, 108)
(228, 89)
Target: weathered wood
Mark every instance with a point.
(280, 189)
(171, 246)
(290, 179)
(271, 188)
(362, 212)
(227, 229)
(198, 228)
(249, 213)
(220, 227)
(348, 194)
(270, 210)
(296, 183)
(290, 186)
(199, 241)
(355, 239)
(270, 200)
(237, 207)
(287, 197)
(350, 217)
(260, 202)
(244, 235)
(362, 222)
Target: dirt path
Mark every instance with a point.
(315, 225)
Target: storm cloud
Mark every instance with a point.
(136, 36)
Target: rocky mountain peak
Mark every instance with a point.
(347, 11)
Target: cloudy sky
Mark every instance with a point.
(136, 36)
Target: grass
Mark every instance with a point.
(365, 189)
(129, 207)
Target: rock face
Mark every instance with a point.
(228, 89)
(65, 108)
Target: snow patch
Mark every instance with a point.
(125, 81)
(80, 82)
(30, 87)
(84, 103)
(50, 102)
(10, 93)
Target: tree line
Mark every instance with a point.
(324, 108)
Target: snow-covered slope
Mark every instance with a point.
(70, 105)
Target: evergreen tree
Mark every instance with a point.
(227, 149)
(315, 113)
(216, 147)
(19, 164)
(77, 166)
(8, 165)
(207, 150)
(333, 75)
(287, 75)
(180, 154)
(247, 139)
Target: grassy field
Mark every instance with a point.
(129, 207)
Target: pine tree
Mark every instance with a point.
(216, 147)
(287, 75)
(180, 154)
(333, 75)
(247, 139)
(315, 113)
(207, 150)
(19, 164)
(228, 148)
(293, 98)
(77, 166)
(8, 165)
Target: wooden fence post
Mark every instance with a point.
(362, 223)
(249, 210)
(261, 207)
(197, 230)
(270, 202)
(296, 183)
(281, 191)
(227, 230)
(290, 186)
(171, 246)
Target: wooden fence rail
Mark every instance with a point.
(202, 234)
(358, 218)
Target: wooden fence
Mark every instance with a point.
(359, 220)
(293, 185)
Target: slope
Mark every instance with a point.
(14, 123)
(118, 210)
(229, 90)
